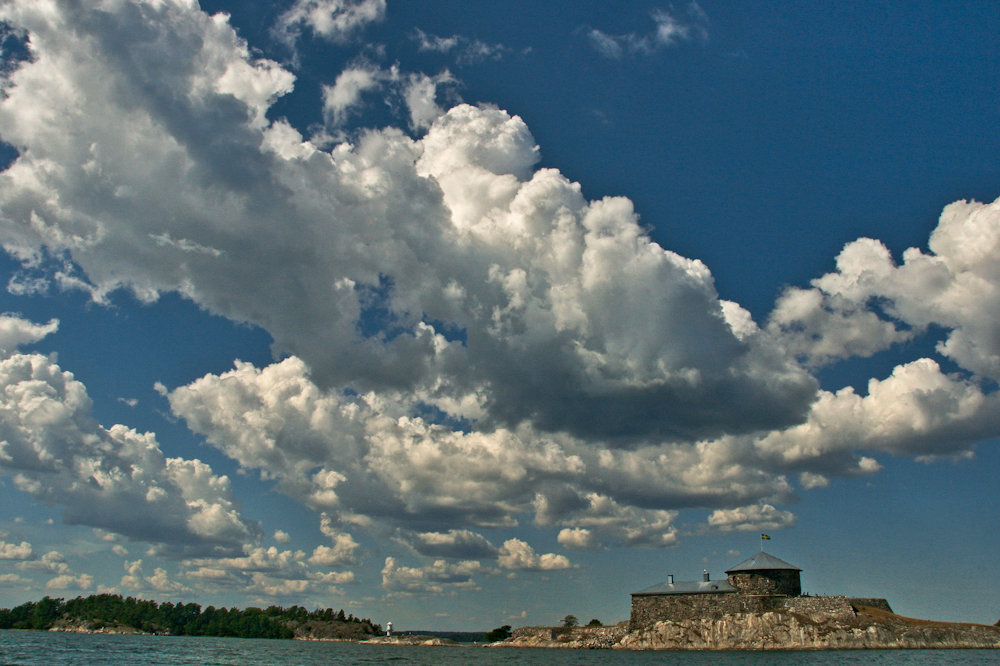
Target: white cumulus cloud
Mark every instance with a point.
(578, 538)
(343, 550)
(158, 582)
(335, 20)
(344, 96)
(115, 479)
(870, 302)
(11, 551)
(434, 578)
(51, 562)
(15, 332)
(750, 518)
(14, 580)
(70, 582)
(520, 556)
(459, 544)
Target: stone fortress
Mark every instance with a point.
(758, 606)
(760, 584)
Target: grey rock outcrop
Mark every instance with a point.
(409, 640)
(584, 638)
(74, 626)
(870, 628)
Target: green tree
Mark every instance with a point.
(595, 623)
(498, 634)
(570, 621)
(110, 610)
(46, 611)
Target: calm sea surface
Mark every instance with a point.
(24, 648)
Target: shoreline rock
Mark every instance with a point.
(326, 630)
(869, 628)
(409, 640)
(81, 627)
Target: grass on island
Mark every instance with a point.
(884, 615)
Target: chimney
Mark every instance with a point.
(704, 576)
(670, 579)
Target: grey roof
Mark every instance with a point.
(688, 587)
(763, 562)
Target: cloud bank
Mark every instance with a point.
(115, 479)
(572, 318)
(466, 340)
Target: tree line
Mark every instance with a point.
(111, 610)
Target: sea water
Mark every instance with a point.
(36, 648)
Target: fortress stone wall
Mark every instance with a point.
(648, 610)
(767, 582)
(761, 584)
(832, 607)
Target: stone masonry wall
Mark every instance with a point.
(767, 582)
(832, 607)
(548, 633)
(759, 592)
(648, 610)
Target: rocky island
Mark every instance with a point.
(759, 606)
(865, 628)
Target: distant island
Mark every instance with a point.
(114, 614)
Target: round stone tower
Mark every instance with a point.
(766, 575)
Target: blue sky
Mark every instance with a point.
(460, 316)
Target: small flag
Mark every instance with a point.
(764, 536)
